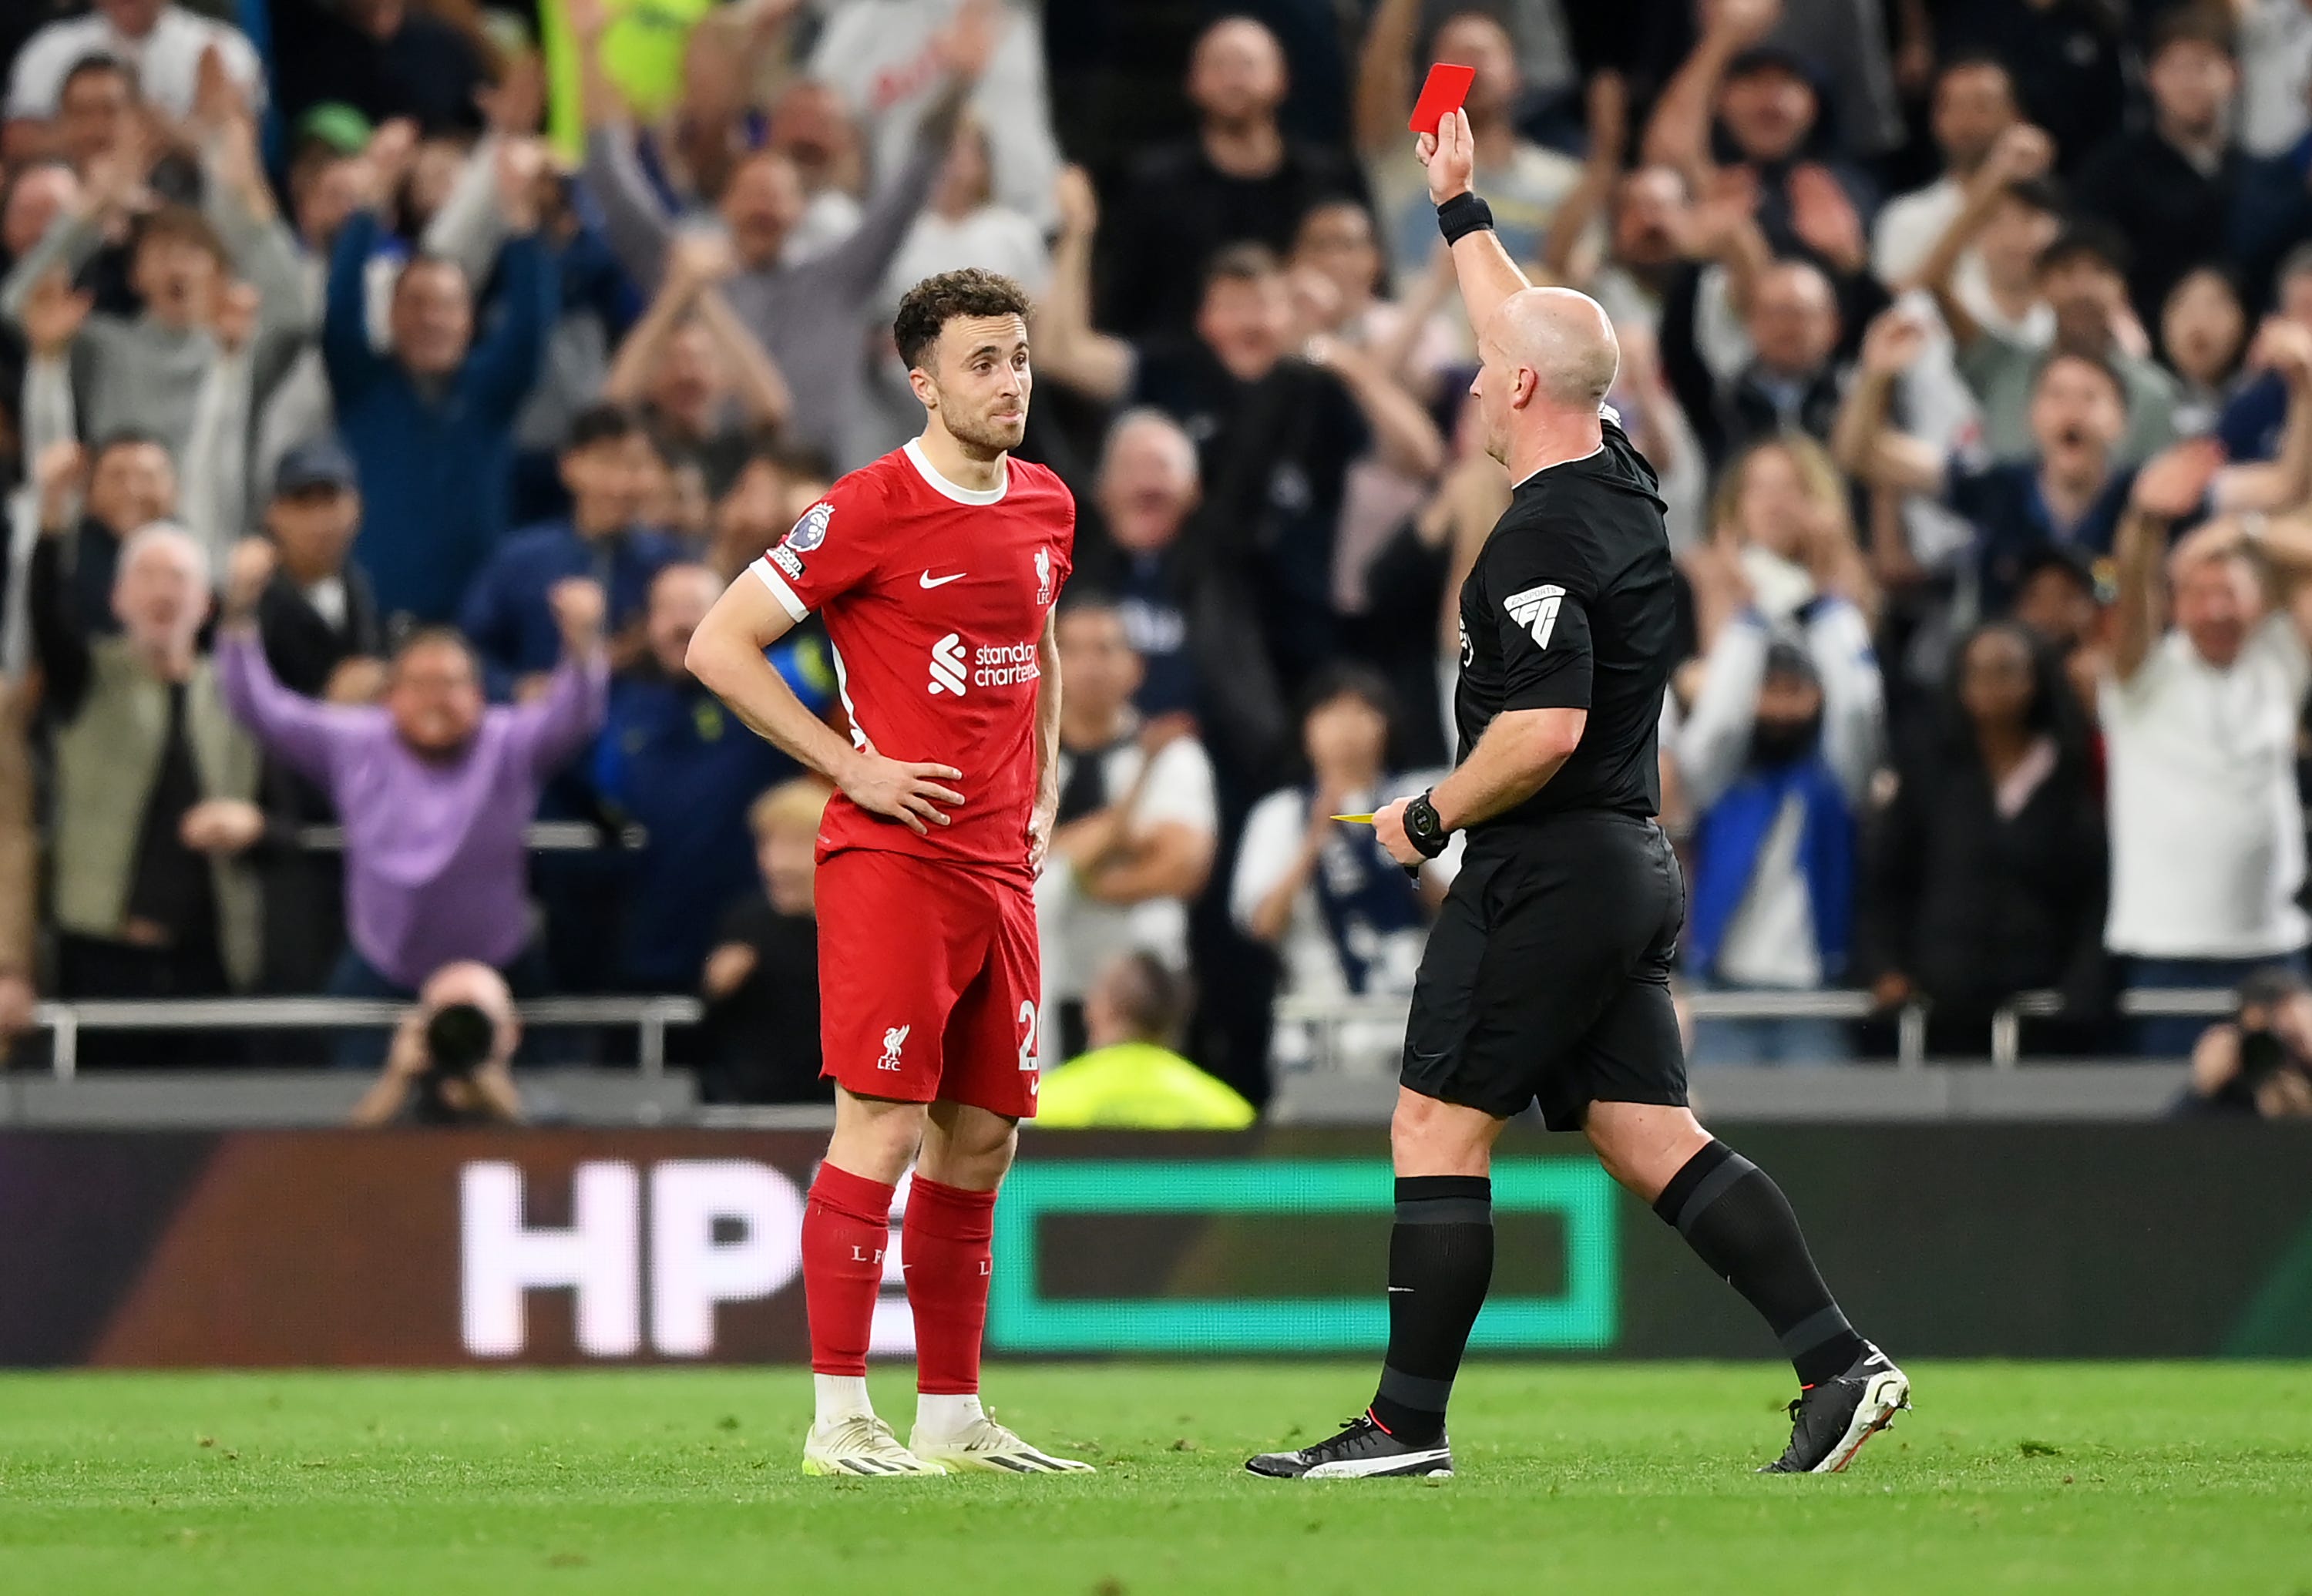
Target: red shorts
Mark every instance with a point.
(928, 981)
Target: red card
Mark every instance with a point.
(1441, 95)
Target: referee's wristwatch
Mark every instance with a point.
(1424, 829)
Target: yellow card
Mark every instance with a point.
(1356, 820)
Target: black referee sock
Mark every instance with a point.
(1441, 1260)
(1741, 1225)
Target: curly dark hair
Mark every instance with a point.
(931, 304)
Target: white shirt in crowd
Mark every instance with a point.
(2275, 60)
(1081, 935)
(1770, 941)
(166, 62)
(882, 57)
(1313, 963)
(2207, 828)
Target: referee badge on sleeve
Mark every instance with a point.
(1536, 610)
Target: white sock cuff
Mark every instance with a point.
(841, 1396)
(937, 1414)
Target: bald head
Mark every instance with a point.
(161, 589)
(1564, 339)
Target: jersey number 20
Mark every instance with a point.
(1027, 1035)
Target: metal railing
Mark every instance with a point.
(650, 1018)
(1332, 1014)
(540, 837)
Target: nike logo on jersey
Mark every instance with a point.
(1536, 610)
(928, 579)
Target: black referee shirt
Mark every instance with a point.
(1572, 605)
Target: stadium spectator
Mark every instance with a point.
(2168, 186)
(1335, 273)
(1974, 103)
(2275, 68)
(2061, 601)
(2079, 278)
(1137, 825)
(433, 787)
(761, 981)
(1241, 179)
(674, 762)
(1524, 182)
(1342, 915)
(811, 128)
(888, 60)
(2069, 62)
(154, 814)
(2257, 1065)
(322, 636)
(2074, 491)
(813, 315)
(1781, 539)
(1764, 99)
(1988, 863)
(1143, 496)
(2069, 493)
(1630, 262)
(430, 420)
(127, 486)
(1775, 759)
(1130, 1078)
(451, 1058)
(771, 492)
(93, 106)
(1790, 379)
(385, 58)
(510, 614)
(2203, 330)
(2199, 716)
(149, 370)
(1275, 433)
(318, 619)
(702, 383)
(163, 44)
(31, 198)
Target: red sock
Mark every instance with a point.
(846, 1227)
(947, 1240)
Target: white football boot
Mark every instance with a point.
(861, 1446)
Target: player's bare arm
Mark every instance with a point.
(1047, 811)
(1512, 761)
(726, 654)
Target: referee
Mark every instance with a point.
(1547, 975)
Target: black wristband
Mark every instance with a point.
(1462, 215)
(1423, 829)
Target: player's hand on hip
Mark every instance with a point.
(900, 790)
(1388, 825)
(1451, 154)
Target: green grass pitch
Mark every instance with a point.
(1617, 1478)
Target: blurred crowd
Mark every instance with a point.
(387, 387)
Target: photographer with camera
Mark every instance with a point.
(449, 1063)
(2258, 1065)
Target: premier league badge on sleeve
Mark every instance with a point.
(811, 531)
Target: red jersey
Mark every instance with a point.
(935, 598)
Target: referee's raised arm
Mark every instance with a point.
(1488, 274)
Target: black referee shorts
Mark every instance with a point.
(1547, 974)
